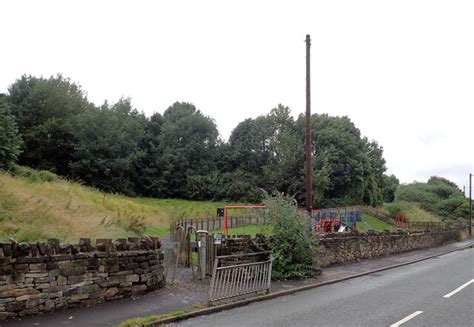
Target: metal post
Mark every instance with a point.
(470, 204)
(309, 165)
(202, 247)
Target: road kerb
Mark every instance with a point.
(240, 303)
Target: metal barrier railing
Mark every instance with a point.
(240, 279)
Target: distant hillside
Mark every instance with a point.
(413, 210)
(436, 200)
(40, 205)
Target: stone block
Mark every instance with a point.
(65, 264)
(21, 267)
(84, 283)
(88, 289)
(111, 292)
(98, 294)
(37, 267)
(31, 311)
(75, 279)
(7, 287)
(36, 275)
(79, 297)
(72, 271)
(116, 279)
(42, 286)
(145, 277)
(121, 273)
(132, 278)
(18, 292)
(15, 306)
(31, 259)
(49, 305)
(61, 257)
(33, 303)
(40, 280)
(61, 280)
(54, 273)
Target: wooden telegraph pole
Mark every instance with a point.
(308, 148)
(470, 204)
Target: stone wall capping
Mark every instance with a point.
(56, 251)
(39, 277)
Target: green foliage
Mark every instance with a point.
(348, 169)
(107, 147)
(10, 141)
(393, 208)
(389, 185)
(178, 154)
(372, 223)
(188, 141)
(44, 109)
(413, 210)
(292, 243)
(33, 175)
(142, 321)
(439, 196)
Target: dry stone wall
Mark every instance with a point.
(46, 276)
(338, 248)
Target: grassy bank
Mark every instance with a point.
(33, 209)
(413, 210)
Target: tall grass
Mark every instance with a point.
(32, 208)
(413, 210)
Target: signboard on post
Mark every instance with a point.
(217, 239)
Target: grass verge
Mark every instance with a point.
(142, 321)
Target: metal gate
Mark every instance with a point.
(240, 274)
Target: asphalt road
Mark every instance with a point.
(422, 294)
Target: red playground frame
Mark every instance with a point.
(226, 229)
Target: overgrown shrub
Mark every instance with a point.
(292, 243)
(34, 176)
(439, 196)
(393, 208)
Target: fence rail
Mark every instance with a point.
(212, 224)
(240, 278)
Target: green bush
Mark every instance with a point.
(439, 196)
(34, 176)
(292, 243)
(393, 208)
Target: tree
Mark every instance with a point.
(10, 141)
(44, 109)
(389, 187)
(149, 167)
(188, 143)
(343, 172)
(107, 146)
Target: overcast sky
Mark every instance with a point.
(403, 71)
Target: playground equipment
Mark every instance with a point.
(401, 220)
(333, 220)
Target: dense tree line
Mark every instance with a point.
(179, 153)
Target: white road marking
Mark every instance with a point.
(459, 288)
(404, 320)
